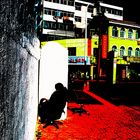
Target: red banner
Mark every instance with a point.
(104, 46)
(89, 46)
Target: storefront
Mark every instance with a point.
(125, 69)
(133, 70)
(79, 67)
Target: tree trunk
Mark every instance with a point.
(19, 55)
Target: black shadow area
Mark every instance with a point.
(127, 93)
(81, 97)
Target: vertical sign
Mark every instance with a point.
(104, 46)
(89, 46)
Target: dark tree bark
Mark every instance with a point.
(19, 54)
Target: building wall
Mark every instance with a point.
(82, 53)
(82, 13)
(126, 42)
(79, 44)
(113, 41)
(111, 11)
(59, 6)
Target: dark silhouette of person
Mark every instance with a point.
(53, 108)
(58, 101)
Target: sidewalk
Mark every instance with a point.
(105, 122)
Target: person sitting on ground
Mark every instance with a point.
(53, 108)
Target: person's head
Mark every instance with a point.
(59, 86)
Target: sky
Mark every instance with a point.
(131, 8)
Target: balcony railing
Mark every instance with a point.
(59, 32)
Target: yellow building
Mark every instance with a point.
(123, 53)
(124, 41)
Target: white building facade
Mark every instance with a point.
(63, 18)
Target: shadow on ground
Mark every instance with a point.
(77, 94)
(120, 93)
(80, 97)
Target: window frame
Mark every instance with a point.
(122, 51)
(122, 32)
(130, 33)
(114, 31)
(114, 48)
(137, 52)
(130, 50)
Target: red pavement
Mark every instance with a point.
(105, 122)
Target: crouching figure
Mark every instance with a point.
(52, 109)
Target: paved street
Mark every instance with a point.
(106, 121)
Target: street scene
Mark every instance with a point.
(69, 70)
(108, 116)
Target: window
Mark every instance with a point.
(122, 50)
(58, 13)
(90, 9)
(117, 12)
(130, 33)
(77, 19)
(114, 48)
(122, 32)
(61, 26)
(108, 10)
(114, 32)
(120, 13)
(113, 11)
(56, 1)
(46, 25)
(70, 14)
(64, 2)
(130, 51)
(53, 25)
(137, 52)
(78, 6)
(72, 51)
(47, 11)
(71, 3)
(49, 25)
(137, 34)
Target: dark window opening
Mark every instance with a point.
(72, 51)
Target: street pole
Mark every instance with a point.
(102, 43)
(85, 63)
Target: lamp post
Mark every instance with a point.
(85, 46)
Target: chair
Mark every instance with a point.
(78, 100)
(53, 122)
(50, 114)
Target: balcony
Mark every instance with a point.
(59, 32)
